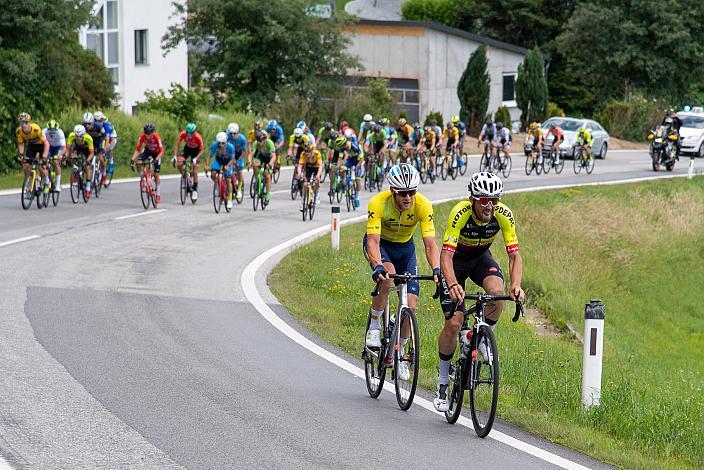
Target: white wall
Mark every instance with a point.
(153, 15)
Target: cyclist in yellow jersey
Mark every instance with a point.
(392, 217)
(536, 139)
(79, 142)
(31, 144)
(471, 229)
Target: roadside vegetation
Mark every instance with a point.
(637, 247)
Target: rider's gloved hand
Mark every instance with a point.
(436, 274)
(380, 270)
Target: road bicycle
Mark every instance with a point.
(33, 187)
(97, 180)
(550, 159)
(78, 183)
(275, 173)
(501, 162)
(53, 190)
(476, 368)
(392, 353)
(147, 183)
(111, 167)
(449, 165)
(485, 161)
(257, 187)
(582, 160)
(427, 171)
(532, 159)
(220, 193)
(296, 186)
(463, 157)
(186, 186)
(374, 176)
(238, 186)
(336, 187)
(310, 194)
(350, 188)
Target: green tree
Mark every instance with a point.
(250, 51)
(455, 13)
(473, 90)
(43, 68)
(178, 102)
(656, 50)
(532, 88)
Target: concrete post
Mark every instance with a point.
(690, 172)
(335, 228)
(594, 313)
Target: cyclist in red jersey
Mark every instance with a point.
(559, 138)
(153, 149)
(193, 150)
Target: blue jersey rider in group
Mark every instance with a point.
(276, 133)
(224, 153)
(241, 144)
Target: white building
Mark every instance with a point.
(424, 62)
(128, 41)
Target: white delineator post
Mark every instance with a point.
(335, 227)
(594, 313)
(690, 172)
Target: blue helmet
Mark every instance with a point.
(272, 124)
(301, 125)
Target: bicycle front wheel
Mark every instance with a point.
(529, 165)
(577, 164)
(374, 370)
(311, 206)
(455, 391)
(547, 163)
(304, 199)
(183, 188)
(27, 192)
(406, 363)
(464, 158)
(217, 199)
(144, 192)
(590, 165)
(75, 188)
(484, 381)
(506, 168)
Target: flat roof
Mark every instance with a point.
(448, 30)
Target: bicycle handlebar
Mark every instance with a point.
(405, 277)
(483, 298)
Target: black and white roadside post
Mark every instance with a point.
(594, 313)
(335, 228)
(690, 171)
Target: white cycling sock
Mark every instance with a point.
(403, 346)
(158, 190)
(58, 181)
(374, 323)
(444, 377)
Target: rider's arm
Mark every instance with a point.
(455, 221)
(515, 269)
(373, 249)
(178, 142)
(375, 212)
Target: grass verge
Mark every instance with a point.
(639, 247)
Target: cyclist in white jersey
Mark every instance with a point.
(57, 147)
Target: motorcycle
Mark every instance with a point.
(663, 148)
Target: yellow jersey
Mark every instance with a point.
(34, 136)
(468, 236)
(87, 141)
(396, 226)
(300, 141)
(428, 138)
(451, 134)
(311, 159)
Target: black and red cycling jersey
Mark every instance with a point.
(151, 143)
(193, 141)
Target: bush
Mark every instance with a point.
(178, 102)
(502, 115)
(555, 110)
(630, 118)
(375, 100)
(433, 115)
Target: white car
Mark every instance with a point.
(570, 126)
(692, 134)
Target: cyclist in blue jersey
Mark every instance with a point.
(354, 155)
(224, 153)
(240, 143)
(391, 140)
(97, 132)
(276, 134)
(110, 141)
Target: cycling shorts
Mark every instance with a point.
(476, 268)
(353, 162)
(450, 143)
(263, 159)
(54, 151)
(504, 143)
(310, 171)
(378, 146)
(335, 156)
(402, 255)
(146, 155)
(190, 152)
(221, 165)
(32, 150)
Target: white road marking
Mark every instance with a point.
(19, 240)
(140, 214)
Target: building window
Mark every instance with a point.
(509, 93)
(103, 38)
(140, 46)
(94, 42)
(112, 14)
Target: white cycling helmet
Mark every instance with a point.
(367, 117)
(88, 117)
(348, 133)
(485, 184)
(403, 177)
(297, 132)
(233, 128)
(79, 130)
(221, 137)
(99, 116)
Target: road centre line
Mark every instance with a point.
(19, 240)
(140, 214)
(247, 282)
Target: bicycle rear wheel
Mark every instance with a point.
(547, 163)
(217, 199)
(252, 191)
(276, 173)
(152, 182)
(255, 198)
(589, 165)
(484, 382)
(506, 170)
(27, 192)
(143, 192)
(55, 193)
(577, 164)
(294, 186)
(464, 158)
(455, 392)
(75, 188)
(304, 199)
(374, 370)
(311, 207)
(406, 389)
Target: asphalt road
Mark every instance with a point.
(128, 343)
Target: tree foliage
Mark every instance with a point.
(43, 68)
(250, 51)
(473, 90)
(178, 102)
(454, 13)
(531, 88)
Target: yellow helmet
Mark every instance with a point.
(402, 122)
(455, 119)
(533, 125)
(24, 117)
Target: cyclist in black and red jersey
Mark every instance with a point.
(153, 149)
(193, 150)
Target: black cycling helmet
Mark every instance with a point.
(334, 135)
(328, 126)
(149, 128)
(553, 125)
(416, 125)
(433, 122)
(260, 136)
(489, 121)
(376, 129)
(499, 125)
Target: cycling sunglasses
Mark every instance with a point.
(409, 193)
(484, 201)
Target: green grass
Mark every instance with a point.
(639, 248)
